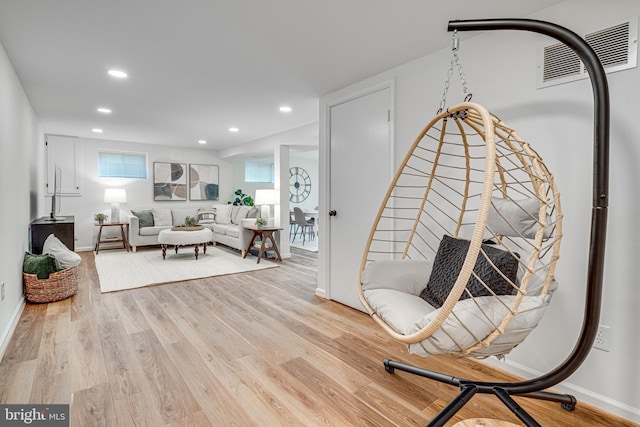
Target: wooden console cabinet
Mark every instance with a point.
(63, 229)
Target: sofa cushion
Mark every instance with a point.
(241, 214)
(145, 217)
(66, 257)
(162, 217)
(220, 229)
(40, 265)
(233, 231)
(152, 231)
(223, 214)
(179, 214)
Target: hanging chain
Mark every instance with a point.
(455, 60)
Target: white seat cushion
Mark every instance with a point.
(398, 309)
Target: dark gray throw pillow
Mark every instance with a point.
(448, 263)
(145, 218)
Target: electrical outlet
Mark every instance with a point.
(603, 338)
(1, 291)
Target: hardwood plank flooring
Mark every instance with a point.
(251, 349)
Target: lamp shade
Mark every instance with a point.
(115, 195)
(265, 197)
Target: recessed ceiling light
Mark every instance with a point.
(285, 109)
(104, 110)
(118, 74)
(233, 129)
(202, 141)
(96, 130)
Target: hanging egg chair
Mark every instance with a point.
(462, 253)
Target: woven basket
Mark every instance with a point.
(58, 286)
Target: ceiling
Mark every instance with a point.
(198, 67)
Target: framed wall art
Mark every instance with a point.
(169, 181)
(203, 182)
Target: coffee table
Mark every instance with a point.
(185, 238)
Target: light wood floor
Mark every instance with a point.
(241, 350)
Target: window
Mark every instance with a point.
(113, 164)
(258, 172)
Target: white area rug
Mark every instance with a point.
(120, 270)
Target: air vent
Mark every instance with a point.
(611, 45)
(616, 48)
(560, 61)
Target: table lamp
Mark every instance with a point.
(265, 198)
(115, 196)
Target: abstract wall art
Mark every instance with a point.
(203, 182)
(169, 181)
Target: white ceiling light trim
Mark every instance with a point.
(202, 141)
(119, 74)
(234, 129)
(96, 130)
(104, 110)
(285, 109)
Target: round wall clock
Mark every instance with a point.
(299, 185)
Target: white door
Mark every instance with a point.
(360, 172)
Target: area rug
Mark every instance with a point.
(118, 270)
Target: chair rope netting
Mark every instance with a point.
(471, 177)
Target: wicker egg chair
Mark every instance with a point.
(428, 275)
(461, 256)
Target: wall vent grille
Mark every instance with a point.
(615, 46)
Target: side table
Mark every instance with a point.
(123, 238)
(265, 233)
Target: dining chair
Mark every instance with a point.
(302, 224)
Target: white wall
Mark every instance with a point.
(500, 68)
(309, 162)
(21, 160)
(301, 159)
(139, 191)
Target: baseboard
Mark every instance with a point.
(6, 337)
(322, 293)
(582, 394)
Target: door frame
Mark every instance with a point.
(326, 103)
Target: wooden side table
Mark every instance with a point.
(123, 239)
(265, 233)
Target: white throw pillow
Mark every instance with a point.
(514, 217)
(223, 214)
(242, 214)
(66, 257)
(162, 217)
(405, 275)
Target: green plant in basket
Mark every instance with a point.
(260, 222)
(190, 221)
(100, 217)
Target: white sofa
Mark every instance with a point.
(224, 220)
